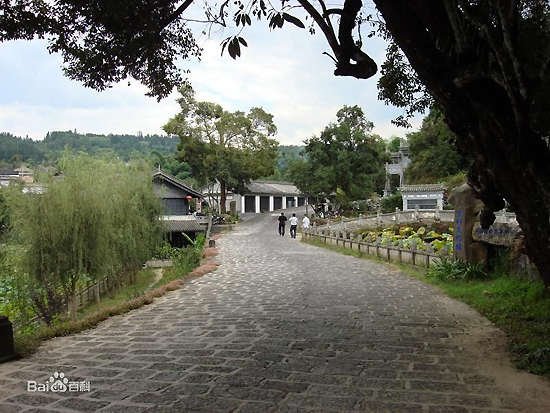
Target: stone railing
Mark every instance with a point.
(399, 253)
(403, 217)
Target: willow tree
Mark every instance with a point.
(230, 148)
(101, 218)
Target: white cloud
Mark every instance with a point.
(283, 71)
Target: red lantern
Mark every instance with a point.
(189, 197)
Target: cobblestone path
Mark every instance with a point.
(283, 327)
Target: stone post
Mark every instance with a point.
(378, 218)
(413, 252)
(397, 215)
(257, 203)
(416, 213)
(437, 215)
(314, 227)
(7, 351)
(233, 208)
(466, 214)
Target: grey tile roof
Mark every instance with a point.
(421, 188)
(186, 225)
(273, 188)
(8, 171)
(161, 175)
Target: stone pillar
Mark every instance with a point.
(436, 214)
(233, 208)
(257, 202)
(378, 218)
(243, 210)
(295, 201)
(271, 207)
(416, 213)
(397, 215)
(284, 202)
(466, 214)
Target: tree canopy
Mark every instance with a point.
(433, 152)
(344, 160)
(229, 148)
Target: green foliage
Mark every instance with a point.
(287, 155)
(15, 295)
(345, 157)
(422, 237)
(445, 270)
(433, 153)
(391, 202)
(5, 212)
(54, 144)
(394, 143)
(231, 148)
(165, 251)
(101, 218)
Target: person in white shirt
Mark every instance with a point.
(305, 222)
(293, 226)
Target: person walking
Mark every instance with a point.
(305, 222)
(293, 226)
(282, 221)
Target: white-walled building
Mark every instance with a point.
(423, 196)
(262, 196)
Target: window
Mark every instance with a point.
(422, 203)
(175, 206)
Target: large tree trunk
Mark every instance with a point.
(511, 159)
(223, 196)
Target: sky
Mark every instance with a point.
(283, 71)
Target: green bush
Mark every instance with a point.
(389, 203)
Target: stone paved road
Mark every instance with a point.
(282, 327)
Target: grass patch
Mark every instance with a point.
(144, 278)
(519, 308)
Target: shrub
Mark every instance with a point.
(389, 203)
(446, 270)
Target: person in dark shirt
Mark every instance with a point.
(282, 222)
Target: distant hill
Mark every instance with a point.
(123, 146)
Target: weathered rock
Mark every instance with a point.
(497, 234)
(479, 252)
(466, 214)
